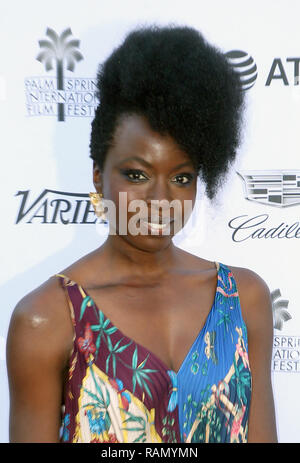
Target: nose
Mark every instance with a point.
(159, 189)
(159, 195)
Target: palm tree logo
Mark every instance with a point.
(279, 306)
(63, 50)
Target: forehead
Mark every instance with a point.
(135, 137)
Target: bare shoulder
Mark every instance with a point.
(39, 344)
(249, 283)
(44, 303)
(41, 319)
(47, 305)
(254, 294)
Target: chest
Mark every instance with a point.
(165, 319)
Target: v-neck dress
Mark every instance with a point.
(119, 391)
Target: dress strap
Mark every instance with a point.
(217, 265)
(65, 283)
(78, 300)
(65, 277)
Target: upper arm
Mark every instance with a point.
(256, 308)
(38, 345)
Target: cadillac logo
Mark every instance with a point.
(279, 188)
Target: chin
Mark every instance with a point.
(149, 243)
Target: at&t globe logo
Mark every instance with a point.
(244, 65)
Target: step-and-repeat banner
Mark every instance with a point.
(49, 57)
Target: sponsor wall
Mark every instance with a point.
(49, 58)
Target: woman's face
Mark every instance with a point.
(147, 168)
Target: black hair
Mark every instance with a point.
(185, 88)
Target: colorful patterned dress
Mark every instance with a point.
(119, 391)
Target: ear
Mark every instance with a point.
(97, 177)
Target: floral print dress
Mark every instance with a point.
(119, 391)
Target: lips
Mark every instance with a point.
(158, 226)
(157, 220)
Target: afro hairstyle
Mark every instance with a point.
(183, 86)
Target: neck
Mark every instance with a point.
(140, 262)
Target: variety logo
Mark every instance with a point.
(60, 96)
(280, 188)
(244, 65)
(53, 206)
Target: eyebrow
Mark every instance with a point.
(147, 164)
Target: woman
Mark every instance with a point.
(140, 341)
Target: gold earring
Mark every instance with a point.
(97, 203)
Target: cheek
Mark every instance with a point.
(127, 201)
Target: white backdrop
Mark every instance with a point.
(46, 173)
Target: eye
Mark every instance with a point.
(137, 176)
(184, 179)
(134, 175)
